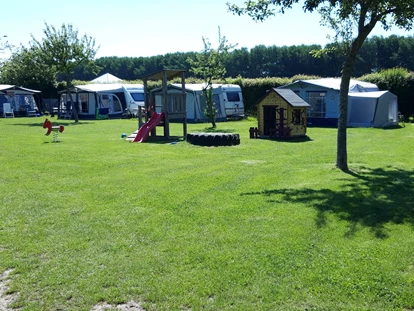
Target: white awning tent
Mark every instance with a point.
(106, 78)
(21, 99)
(114, 96)
(376, 109)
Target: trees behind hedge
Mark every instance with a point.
(263, 61)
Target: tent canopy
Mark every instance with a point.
(7, 88)
(96, 87)
(335, 84)
(106, 78)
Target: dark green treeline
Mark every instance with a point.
(376, 54)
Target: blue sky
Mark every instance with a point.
(155, 27)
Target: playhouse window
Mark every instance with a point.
(318, 104)
(176, 103)
(296, 116)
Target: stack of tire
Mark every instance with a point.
(213, 139)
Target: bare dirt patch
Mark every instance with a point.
(129, 306)
(5, 299)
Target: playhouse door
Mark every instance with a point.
(269, 120)
(282, 130)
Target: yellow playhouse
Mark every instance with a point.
(281, 114)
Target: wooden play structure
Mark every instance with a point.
(280, 114)
(170, 107)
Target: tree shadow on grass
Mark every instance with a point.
(161, 140)
(54, 122)
(371, 199)
(301, 139)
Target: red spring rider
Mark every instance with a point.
(55, 129)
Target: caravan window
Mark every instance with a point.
(138, 97)
(233, 96)
(318, 104)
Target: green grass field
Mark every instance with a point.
(265, 225)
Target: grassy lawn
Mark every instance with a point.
(264, 225)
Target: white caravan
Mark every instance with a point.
(228, 99)
(196, 101)
(137, 93)
(233, 100)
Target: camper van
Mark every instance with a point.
(233, 100)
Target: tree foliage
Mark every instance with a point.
(65, 51)
(353, 21)
(209, 65)
(25, 68)
(262, 61)
(4, 45)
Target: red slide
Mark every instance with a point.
(147, 127)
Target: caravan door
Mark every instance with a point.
(112, 103)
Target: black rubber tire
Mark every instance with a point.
(190, 137)
(213, 139)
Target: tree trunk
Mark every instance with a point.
(74, 111)
(341, 154)
(347, 69)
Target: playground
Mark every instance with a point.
(172, 108)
